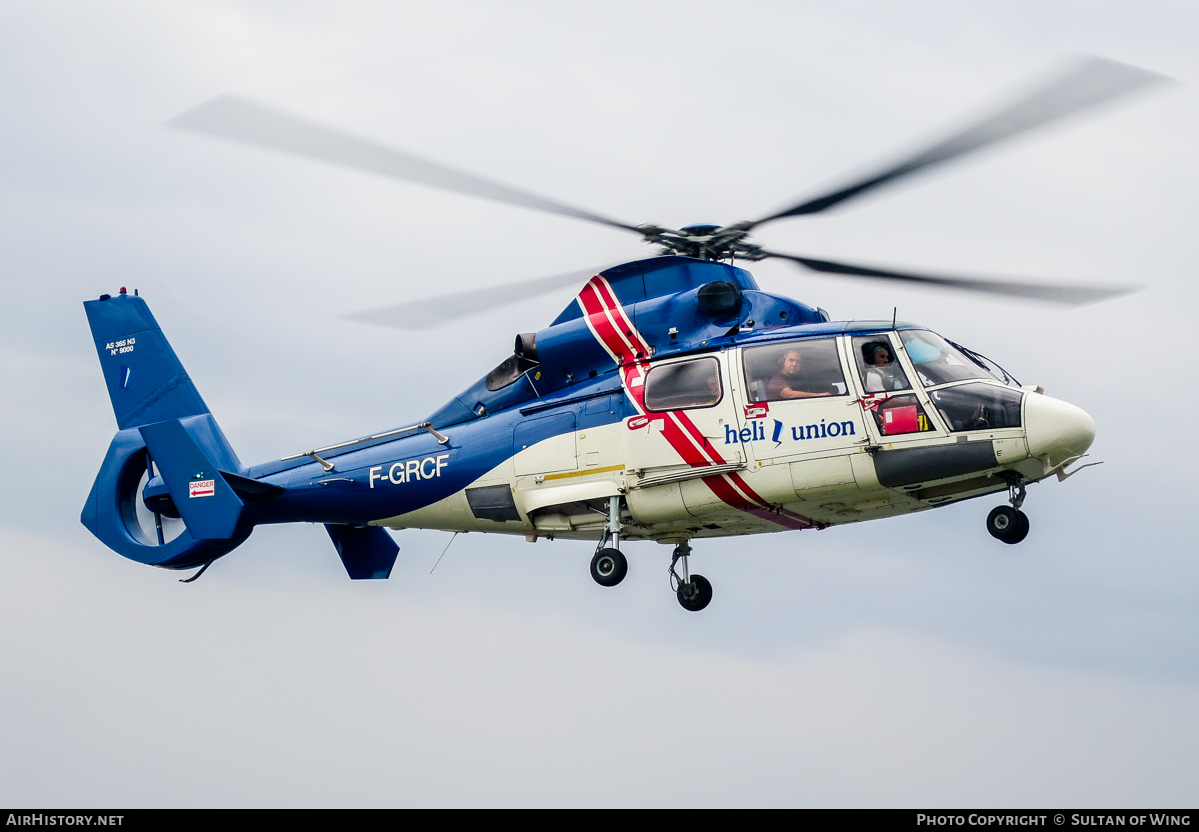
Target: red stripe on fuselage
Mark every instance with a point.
(607, 320)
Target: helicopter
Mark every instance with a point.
(673, 400)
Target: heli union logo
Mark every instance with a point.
(756, 431)
(201, 488)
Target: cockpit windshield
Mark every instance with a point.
(987, 364)
(939, 362)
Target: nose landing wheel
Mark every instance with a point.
(693, 591)
(1008, 523)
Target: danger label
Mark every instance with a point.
(201, 488)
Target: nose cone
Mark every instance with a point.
(1056, 430)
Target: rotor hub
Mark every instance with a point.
(704, 242)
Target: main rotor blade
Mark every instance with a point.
(231, 117)
(1088, 83)
(430, 312)
(1053, 293)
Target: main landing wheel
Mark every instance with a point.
(1007, 524)
(609, 567)
(695, 594)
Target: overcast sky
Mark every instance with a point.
(907, 662)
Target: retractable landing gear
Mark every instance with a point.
(609, 566)
(693, 591)
(1008, 523)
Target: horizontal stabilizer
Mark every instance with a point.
(205, 501)
(366, 552)
(252, 491)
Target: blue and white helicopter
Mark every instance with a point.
(672, 400)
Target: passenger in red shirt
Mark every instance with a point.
(786, 383)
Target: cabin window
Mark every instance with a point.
(978, 406)
(794, 370)
(937, 361)
(879, 368)
(682, 385)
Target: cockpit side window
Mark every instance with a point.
(794, 370)
(937, 361)
(683, 385)
(878, 366)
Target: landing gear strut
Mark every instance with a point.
(1008, 523)
(693, 591)
(609, 566)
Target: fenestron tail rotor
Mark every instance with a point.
(1086, 84)
(156, 520)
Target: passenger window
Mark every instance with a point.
(686, 384)
(878, 366)
(794, 370)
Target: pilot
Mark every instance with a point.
(881, 371)
(786, 382)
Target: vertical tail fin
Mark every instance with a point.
(146, 382)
